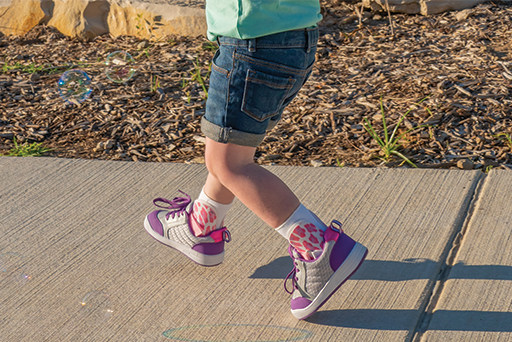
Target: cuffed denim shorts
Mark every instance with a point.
(252, 81)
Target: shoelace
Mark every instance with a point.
(293, 275)
(176, 206)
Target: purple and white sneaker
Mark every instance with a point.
(171, 227)
(315, 281)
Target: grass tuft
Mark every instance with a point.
(27, 150)
(389, 144)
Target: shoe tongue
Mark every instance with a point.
(296, 255)
(316, 254)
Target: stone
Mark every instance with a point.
(424, 7)
(110, 144)
(317, 163)
(463, 15)
(35, 77)
(147, 19)
(465, 164)
(152, 19)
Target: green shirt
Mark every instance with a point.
(246, 19)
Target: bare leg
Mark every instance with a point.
(234, 173)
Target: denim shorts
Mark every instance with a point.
(252, 81)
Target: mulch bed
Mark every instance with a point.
(461, 61)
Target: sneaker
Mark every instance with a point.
(171, 227)
(315, 281)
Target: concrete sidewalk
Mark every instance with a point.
(79, 265)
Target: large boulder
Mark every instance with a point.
(152, 18)
(424, 7)
(90, 18)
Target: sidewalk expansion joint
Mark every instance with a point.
(435, 289)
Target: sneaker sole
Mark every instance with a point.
(198, 258)
(347, 269)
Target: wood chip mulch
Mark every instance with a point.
(461, 61)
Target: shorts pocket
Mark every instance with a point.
(216, 64)
(264, 94)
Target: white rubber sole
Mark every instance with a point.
(342, 274)
(198, 258)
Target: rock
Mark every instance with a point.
(317, 163)
(463, 15)
(110, 144)
(88, 19)
(465, 164)
(425, 7)
(142, 45)
(35, 77)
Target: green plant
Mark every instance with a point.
(189, 97)
(210, 46)
(196, 76)
(27, 150)
(155, 83)
(340, 164)
(143, 23)
(139, 26)
(389, 146)
(488, 168)
(31, 68)
(506, 138)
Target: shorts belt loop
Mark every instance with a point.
(308, 41)
(251, 44)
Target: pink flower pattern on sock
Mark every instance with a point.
(203, 219)
(307, 238)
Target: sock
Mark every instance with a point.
(207, 215)
(305, 232)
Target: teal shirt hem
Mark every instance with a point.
(247, 19)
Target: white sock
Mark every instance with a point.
(300, 214)
(220, 209)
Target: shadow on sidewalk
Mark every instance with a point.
(375, 319)
(408, 269)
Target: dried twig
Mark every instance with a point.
(390, 20)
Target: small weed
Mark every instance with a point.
(210, 46)
(184, 83)
(27, 150)
(390, 144)
(488, 168)
(196, 76)
(189, 97)
(31, 68)
(506, 138)
(144, 25)
(139, 26)
(155, 83)
(340, 164)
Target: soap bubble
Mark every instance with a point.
(75, 86)
(96, 307)
(13, 270)
(120, 66)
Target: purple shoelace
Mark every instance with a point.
(176, 206)
(292, 274)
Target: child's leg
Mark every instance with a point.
(234, 173)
